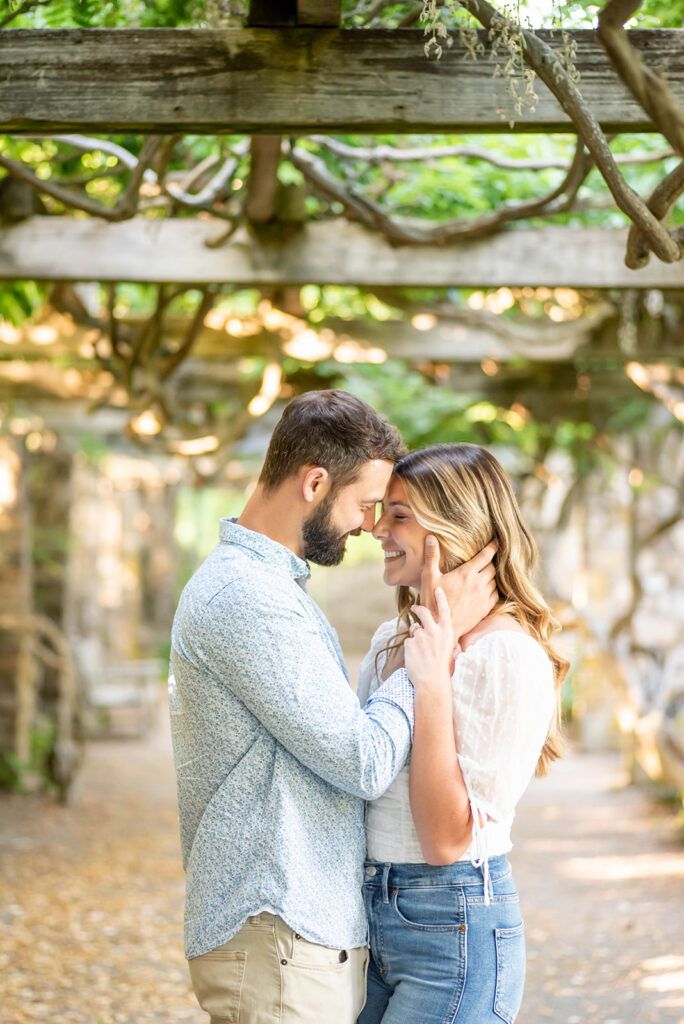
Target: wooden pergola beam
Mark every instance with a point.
(325, 252)
(293, 80)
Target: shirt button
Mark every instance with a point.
(284, 963)
(371, 871)
(297, 936)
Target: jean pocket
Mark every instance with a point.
(510, 972)
(217, 979)
(430, 909)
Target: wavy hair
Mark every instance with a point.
(460, 493)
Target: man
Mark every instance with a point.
(274, 756)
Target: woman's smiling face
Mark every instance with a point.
(402, 538)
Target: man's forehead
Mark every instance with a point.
(372, 481)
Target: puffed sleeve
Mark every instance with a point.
(368, 680)
(503, 704)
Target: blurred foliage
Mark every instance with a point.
(422, 189)
(20, 776)
(424, 405)
(20, 300)
(428, 413)
(221, 13)
(121, 14)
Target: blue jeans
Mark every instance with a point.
(439, 955)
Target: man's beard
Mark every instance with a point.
(323, 543)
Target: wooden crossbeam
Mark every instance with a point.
(292, 80)
(328, 252)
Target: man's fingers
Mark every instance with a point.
(488, 572)
(443, 612)
(493, 598)
(431, 549)
(484, 557)
(430, 575)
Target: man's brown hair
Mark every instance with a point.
(332, 429)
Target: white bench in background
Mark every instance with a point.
(119, 698)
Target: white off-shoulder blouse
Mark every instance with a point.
(503, 700)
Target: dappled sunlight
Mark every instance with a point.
(623, 868)
(665, 982)
(666, 975)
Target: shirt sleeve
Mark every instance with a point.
(503, 703)
(272, 656)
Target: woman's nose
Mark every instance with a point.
(379, 531)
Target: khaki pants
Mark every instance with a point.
(267, 974)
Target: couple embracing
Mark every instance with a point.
(345, 855)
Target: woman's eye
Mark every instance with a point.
(399, 517)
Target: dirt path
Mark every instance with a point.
(601, 876)
(91, 899)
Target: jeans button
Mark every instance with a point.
(371, 871)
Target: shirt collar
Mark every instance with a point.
(230, 532)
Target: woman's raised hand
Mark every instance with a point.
(428, 652)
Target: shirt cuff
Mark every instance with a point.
(397, 690)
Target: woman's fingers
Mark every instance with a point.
(427, 619)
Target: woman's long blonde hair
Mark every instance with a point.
(460, 493)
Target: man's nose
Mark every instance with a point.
(369, 521)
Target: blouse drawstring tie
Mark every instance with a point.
(478, 854)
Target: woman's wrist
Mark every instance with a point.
(436, 683)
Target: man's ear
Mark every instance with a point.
(315, 483)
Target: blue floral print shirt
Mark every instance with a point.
(274, 756)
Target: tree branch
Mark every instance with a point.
(208, 194)
(390, 154)
(208, 299)
(125, 206)
(401, 233)
(545, 62)
(28, 5)
(660, 203)
(649, 88)
(87, 145)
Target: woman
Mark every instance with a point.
(446, 935)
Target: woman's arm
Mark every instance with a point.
(438, 795)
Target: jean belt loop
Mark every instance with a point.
(385, 876)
